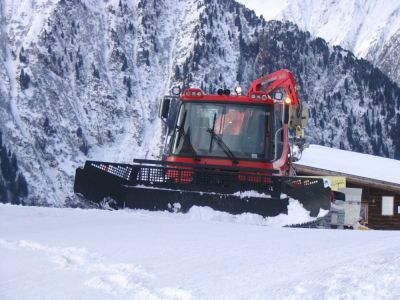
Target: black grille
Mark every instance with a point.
(203, 179)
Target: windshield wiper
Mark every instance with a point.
(221, 143)
(182, 133)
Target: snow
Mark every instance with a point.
(269, 9)
(28, 17)
(251, 194)
(296, 215)
(356, 25)
(52, 253)
(352, 163)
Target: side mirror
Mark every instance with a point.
(164, 108)
(305, 115)
(296, 153)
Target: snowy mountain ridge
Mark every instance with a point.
(356, 25)
(368, 28)
(85, 83)
(72, 97)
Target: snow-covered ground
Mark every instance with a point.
(51, 253)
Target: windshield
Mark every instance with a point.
(223, 130)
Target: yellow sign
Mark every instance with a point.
(337, 182)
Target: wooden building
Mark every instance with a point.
(380, 191)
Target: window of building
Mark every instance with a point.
(387, 205)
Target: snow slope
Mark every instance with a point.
(365, 27)
(269, 9)
(50, 253)
(356, 25)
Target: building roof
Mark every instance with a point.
(359, 168)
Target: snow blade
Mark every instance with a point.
(159, 185)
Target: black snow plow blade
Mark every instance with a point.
(160, 185)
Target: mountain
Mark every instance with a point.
(368, 28)
(386, 58)
(82, 79)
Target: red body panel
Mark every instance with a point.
(260, 87)
(230, 98)
(280, 79)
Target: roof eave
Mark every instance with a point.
(353, 179)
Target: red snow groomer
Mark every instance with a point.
(226, 151)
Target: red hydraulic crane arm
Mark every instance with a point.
(279, 79)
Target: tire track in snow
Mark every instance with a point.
(121, 280)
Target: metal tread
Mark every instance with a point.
(321, 222)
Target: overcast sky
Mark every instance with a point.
(267, 8)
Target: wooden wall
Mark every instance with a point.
(375, 219)
(373, 190)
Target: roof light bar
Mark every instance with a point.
(259, 96)
(192, 92)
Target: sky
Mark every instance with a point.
(267, 8)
